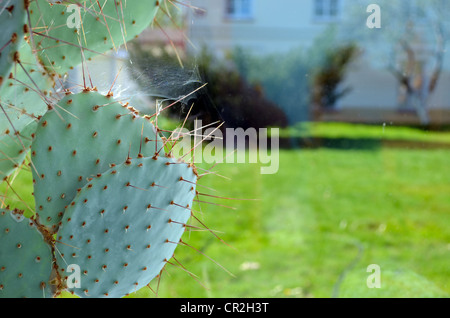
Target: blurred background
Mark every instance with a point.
(361, 95)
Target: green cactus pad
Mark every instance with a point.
(12, 21)
(16, 111)
(24, 96)
(14, 149)
(123, 225)
(25, 258)
(99, 29)
(27, 90)
(83, 138)
(24, 92)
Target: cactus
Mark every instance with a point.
(12, 21)
(50, 50)
(108, 197)
(83, 138)
(102, 26)
(23, 98)
(25, 258)
(122, 227)
(14, 148)
(12, 49)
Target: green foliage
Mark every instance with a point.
(282, 77)
(238, 102)
(330, 74)
(228, 97)
(303, 76)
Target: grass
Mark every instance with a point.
(361, 131)
(317, 225)
(324, 211)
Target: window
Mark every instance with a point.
(239, 9)
(326, 10)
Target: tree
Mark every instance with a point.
(331, 60)
(412, 43)
(228, 97)
(305, 80)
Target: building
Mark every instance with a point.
(265, 27)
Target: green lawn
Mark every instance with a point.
(319, 223)
(316, 227)
(382, 132)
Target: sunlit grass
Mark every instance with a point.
(316, 226)
(358, 131)
(321, 213)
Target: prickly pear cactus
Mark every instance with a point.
(16, 118)
(125, 224)
(83, 137)
(96, 27)
(12, 21)
(43, 40)
(108, 198)
(25, 258)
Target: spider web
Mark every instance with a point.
(143, 84)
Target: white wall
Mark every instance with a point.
(278, 26)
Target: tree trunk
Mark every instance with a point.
(419, 103)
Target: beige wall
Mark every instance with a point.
(286, 24)
(278, 28)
